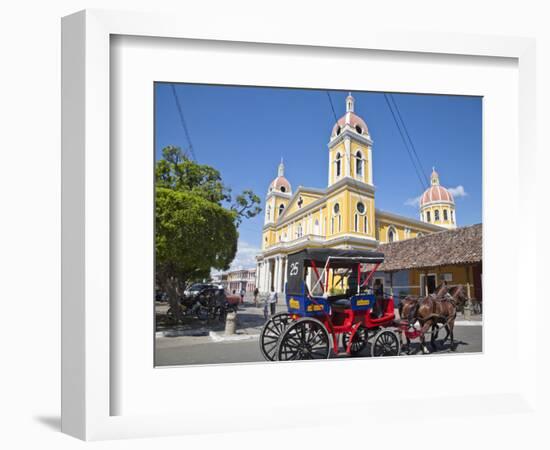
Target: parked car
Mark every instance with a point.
(160, 296)
(196, 288)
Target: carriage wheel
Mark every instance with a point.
(306, 338)
(359, 342)
(386, 343)
(271, 331)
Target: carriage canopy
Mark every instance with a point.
(337, 258)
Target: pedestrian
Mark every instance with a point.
(242, 296)
(256, 292)
(269, 306)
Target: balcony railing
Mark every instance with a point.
(292, 242)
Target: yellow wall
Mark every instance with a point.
(278, 202)
(354, 148)
(384, 227)
(460, 275)
(440, 207)
(307, 199)
(332, 159)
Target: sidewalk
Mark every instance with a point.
(250, 320)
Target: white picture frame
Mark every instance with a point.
(88, 319)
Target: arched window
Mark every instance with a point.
(436, 215)
(338, 164)
(392, 234)
(281, 209)
(356, 223)
(366, 224)
(359, 164)
(452, 216)
(316, 227)
(428, 216)
(445, 215)
(268, 212)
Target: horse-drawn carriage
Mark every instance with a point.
(317, 313)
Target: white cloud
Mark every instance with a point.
(458, 191)
(413, 201)
(245, 257)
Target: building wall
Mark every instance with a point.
(402, 229)
(441, 207)
(238, 280)
(456, 274)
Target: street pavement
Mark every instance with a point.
(192, 343)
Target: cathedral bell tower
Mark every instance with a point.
(278, 196)
(350, 148)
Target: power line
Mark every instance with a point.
(332, 106)
(183, 123)
(409, 138)
(418, 173)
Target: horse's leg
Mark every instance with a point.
(451, 332)
(425, 328)
(403, 337)
(435, 332)
(448, 331)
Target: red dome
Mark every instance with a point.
(436, 193)
(280, 184)
(352, 120)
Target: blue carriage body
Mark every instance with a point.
(304, 306)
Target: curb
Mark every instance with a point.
(220, 337)
(469, 323)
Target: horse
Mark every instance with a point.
(408, 308)
(434, 311)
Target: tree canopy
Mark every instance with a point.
(192, 235)
(196, 223)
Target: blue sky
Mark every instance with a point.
(244, 131)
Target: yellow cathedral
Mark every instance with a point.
(342, 215)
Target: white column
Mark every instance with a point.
(330, 164)
(369, 163)
(264, 276)
(347, 159)
(277, 274)
(285, 271)
(268, 275)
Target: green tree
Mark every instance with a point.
(196, 223)
(192, 235)
(177, 172)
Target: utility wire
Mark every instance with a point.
(418, 172)
(183, 123)
(332, 106)
(409, 139)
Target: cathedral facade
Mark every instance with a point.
(344, 214)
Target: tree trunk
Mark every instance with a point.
(174, 294)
